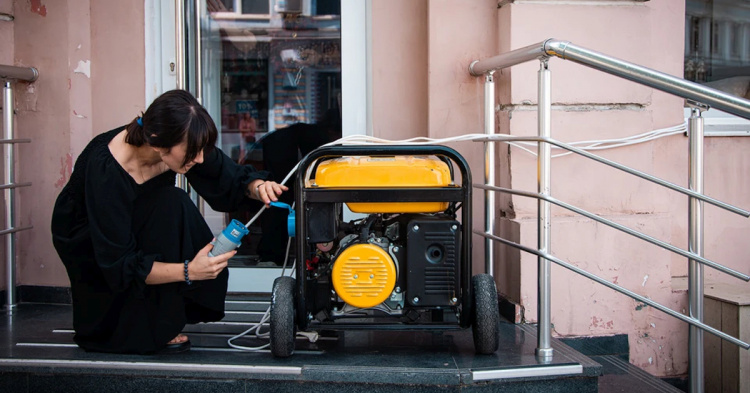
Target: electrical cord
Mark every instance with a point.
(583, 145)
(600, 144)
(611, 143)
(256, 327)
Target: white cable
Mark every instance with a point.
(680, 127)
(420, 140)
(255, 217)
(256, 327)
(588, 145)
(612, 143)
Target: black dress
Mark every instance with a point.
(108, 231)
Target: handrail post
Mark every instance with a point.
(10, 239)
(544, 350)
(695, 245)
(489, 172)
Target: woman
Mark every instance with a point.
(135, 247)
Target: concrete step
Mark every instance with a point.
(38, 354)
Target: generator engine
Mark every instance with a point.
(367, 270)
(383, 242)
(399, 258)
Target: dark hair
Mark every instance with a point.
(172, 118)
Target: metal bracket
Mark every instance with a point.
(697, 105)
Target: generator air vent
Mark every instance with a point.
(364, 275)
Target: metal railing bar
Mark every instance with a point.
(28, 74)
(622, 228)
(9, 195)
(645, 176)
(13, 230)
(2, 141)
(696, 229)
(14, 185)
(614, 66)
(507, 59)
(489, 172)
(620, 289)
(649, 77)
(544, 348)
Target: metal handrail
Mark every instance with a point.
(699, 98)
(8, 74)
(676, 250)
(26, 74)
(642, 175)
(614, 66)
(620, 289)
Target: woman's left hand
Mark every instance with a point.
(266, 191)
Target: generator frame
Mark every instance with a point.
(306, 196)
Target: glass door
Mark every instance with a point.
(271, 77)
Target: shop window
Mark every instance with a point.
(265, 7)
(717, 54)
(279, 88)
(258, 7)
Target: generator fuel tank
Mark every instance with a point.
(385, 172)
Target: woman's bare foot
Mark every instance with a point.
(179, 344)
(181, 338)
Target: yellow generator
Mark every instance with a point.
(401, 261)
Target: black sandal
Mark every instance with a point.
(175, 348)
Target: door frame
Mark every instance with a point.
(356, 92)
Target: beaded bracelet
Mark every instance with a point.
(187, 279)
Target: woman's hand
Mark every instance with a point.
(266, 191)
(204, 267)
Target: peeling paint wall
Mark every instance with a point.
(587, 105)
(85, 52)
(6, 57)
(90, 56)
(590, 105)
(118, 57)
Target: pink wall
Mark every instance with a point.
(416, 76)
(402, 61)
(117, 55)
(588, 105)
(6, 57)
(90, 59)
(6, 34)
(459, 31)
(649, 34)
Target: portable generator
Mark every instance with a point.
(403, 262)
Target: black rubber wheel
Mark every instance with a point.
(282, 317)
(485, 323)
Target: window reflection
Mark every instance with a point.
(280, 83)
(717, 44)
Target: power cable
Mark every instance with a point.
(600, 144)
